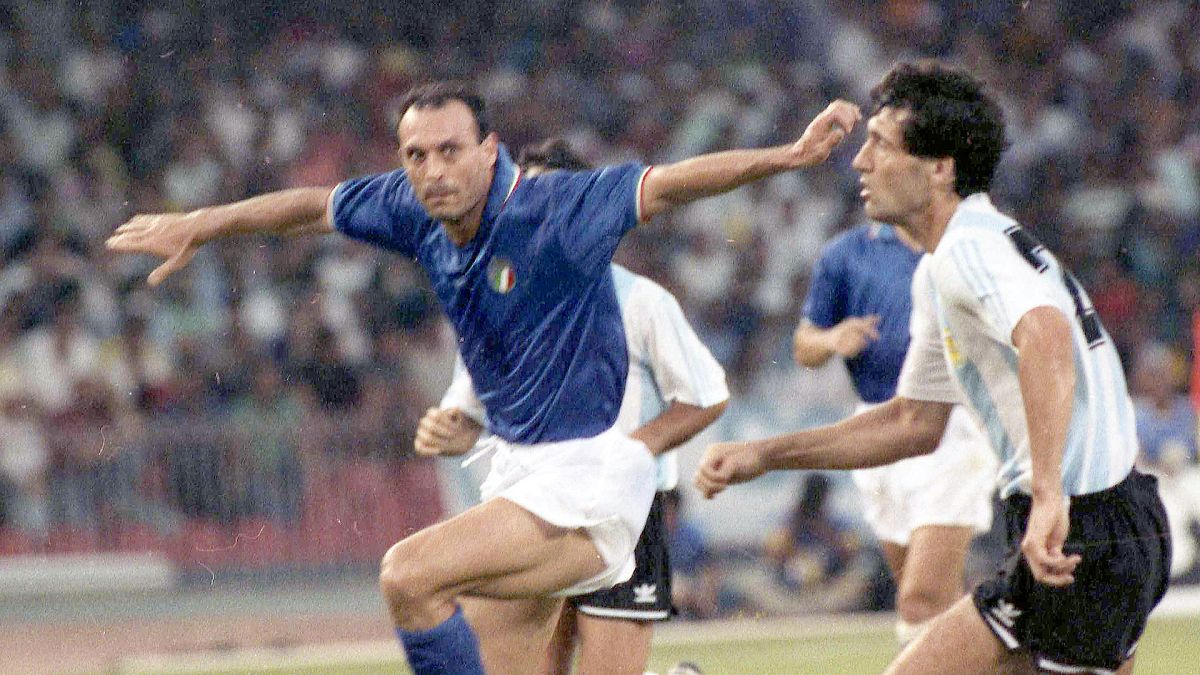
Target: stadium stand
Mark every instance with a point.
(257, 413)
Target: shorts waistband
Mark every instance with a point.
(1021, 501)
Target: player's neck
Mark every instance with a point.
(462, 230)
(935, 219)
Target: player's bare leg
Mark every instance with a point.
(561, 654)
(613, 646)
(513, 634)
(931, 579)
(496, 549)
(958, 642)
(894, 555)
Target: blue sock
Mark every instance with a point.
(449, 648)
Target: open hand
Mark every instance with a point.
(174, 236)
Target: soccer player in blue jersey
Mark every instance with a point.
(997, 324)
(521, 267)
(924, 510)
(675, 390)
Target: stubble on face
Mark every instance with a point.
(449, 166)
(895, 185)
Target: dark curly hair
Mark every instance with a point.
(950, 115)
(438, 94)
(552, 154)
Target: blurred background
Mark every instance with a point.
(245, 430)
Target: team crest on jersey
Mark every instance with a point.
(956, 357)
(502, 276)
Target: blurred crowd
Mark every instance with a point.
(265, 365)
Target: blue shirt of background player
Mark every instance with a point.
(867, 270)
(530, 296)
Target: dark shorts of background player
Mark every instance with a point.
(647, 594)
(1092, 625)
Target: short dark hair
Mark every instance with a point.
(950, 115)
(438, 94)
(552, 154)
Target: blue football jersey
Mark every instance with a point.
(867, 270)
(530, 296)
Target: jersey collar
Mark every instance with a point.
(504, 182)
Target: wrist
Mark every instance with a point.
(211, 223)
(1047, 493)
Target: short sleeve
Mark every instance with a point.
(461, 394)
(381, 210)
(925, 375)
(593, 210)
(684, 369)
(1002, 283)
(825, 304)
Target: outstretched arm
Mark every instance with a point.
(671, 185)
(898, 429)
(177, 236)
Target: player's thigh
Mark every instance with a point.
(561, 652)
(496, 549)
(513, 634)
(957, 643)
(616, 646)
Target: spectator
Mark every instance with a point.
(267, 420)
(1166, 426)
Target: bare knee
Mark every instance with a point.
(917, 605)
(404, 582)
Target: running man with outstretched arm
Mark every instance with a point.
(521, 267)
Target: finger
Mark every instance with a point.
(1053, 568)
(172, 264)
(126, 240)
(427, 444)
(421, 445)
(137, 226)
(707, 488)
(845, 114)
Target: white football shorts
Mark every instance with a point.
(603, 484)
(952, 486)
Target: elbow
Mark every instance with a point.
(717, 410)
(925, 422)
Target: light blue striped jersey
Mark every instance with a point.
(968, 296)
(667, 363)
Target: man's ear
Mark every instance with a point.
(944, 173)
(491, 145)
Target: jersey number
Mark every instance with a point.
(1029, 247)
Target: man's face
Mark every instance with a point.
(896, 186)
(450, 168)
